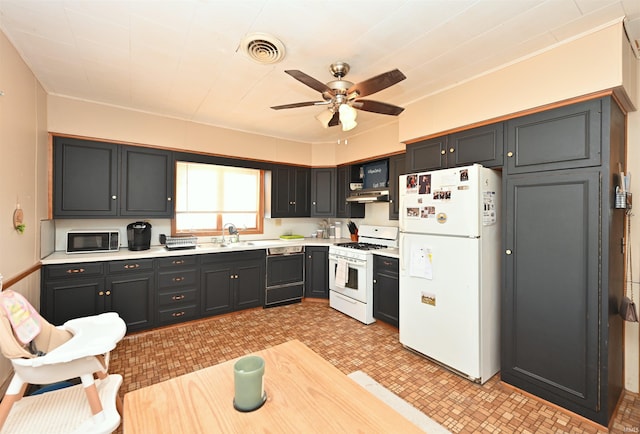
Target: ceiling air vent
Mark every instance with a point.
(263, 48)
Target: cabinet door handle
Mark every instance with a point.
(177, 314)
(114, 197)
(178, 297)
(442, 152)
(101, 293)
(131, 266)
(451, 150)
(108, 293)
(375, 281)
(178, 279)
(178, 262)
(509, 154)
(75, 270)
(168, 199)
(508, 251)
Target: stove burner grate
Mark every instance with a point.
(361, 246)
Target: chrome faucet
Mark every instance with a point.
(233, 231)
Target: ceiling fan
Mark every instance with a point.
(342, 96)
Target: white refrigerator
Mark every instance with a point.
(450, 268)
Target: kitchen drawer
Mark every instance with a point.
(177, 261)
(179, 314)
(174, 297)
(385, 264)
(174, 278)
(84, 269)
(130, 265)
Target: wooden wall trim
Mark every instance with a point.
(12, 281)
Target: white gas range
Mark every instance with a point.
(351, 271)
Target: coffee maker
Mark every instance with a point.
(139, 235)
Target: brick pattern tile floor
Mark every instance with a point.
(456, 403)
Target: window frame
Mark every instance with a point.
(219, 230)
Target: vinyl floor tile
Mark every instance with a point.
(456, 403)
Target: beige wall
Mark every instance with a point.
(23, 177)
(81, 118)
(580, 67)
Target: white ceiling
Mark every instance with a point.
(180, 58)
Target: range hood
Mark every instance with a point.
(366, 195)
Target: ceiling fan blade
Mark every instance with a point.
(377, 83)
(335, 120)
(299, 104)
(377, 107)
(309, 81)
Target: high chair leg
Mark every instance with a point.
(92, 393)
(7, 404)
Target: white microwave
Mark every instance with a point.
(93, 241)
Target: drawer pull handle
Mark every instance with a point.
(178, 262)
(131, 266)
(177, 314)
(178, 279)
(75, 270)
(177, 297)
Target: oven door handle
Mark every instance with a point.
(349, 261)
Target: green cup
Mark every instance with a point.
(248, 377)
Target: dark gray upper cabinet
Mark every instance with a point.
(290, 189)
(483, 145)
(323, 192)
(147, 182)
(427, 155)
(564, 264)
(561, 138)
(397, 167)
(85, 178)
(344, 209)
(102, 180)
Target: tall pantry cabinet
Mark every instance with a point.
(564, 257)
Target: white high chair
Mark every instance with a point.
(78, 348)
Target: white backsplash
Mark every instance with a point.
(376, 214)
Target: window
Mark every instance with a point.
(210, 196)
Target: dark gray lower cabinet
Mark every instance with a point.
(76, 290)
(564, 268)
(316, 278)
(178, 297)
(231, 281)
(386, 305)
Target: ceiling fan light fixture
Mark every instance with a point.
(347, 117)
(325, 117)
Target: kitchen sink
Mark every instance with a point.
(240, 244)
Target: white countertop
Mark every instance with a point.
(60, 257)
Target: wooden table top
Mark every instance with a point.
(305, 393)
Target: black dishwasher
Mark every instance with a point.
(285, 275)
